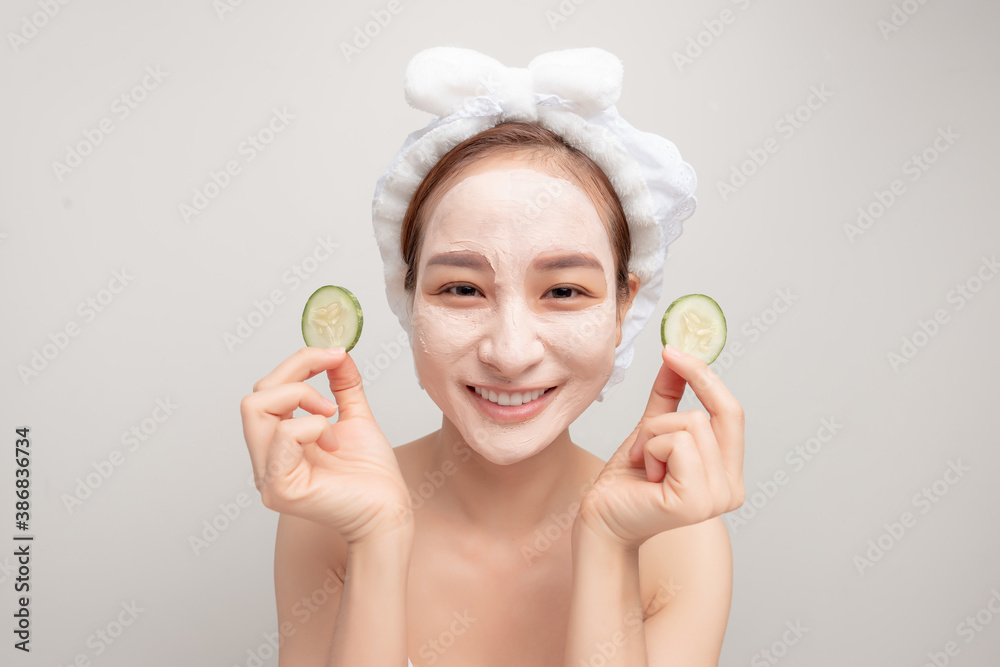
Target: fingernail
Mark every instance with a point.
(336, 350)
(329, 403)
(671, 350)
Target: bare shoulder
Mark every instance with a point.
(309, 569)
(686, 583)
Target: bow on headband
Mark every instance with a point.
(440, 80)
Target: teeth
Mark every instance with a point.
(503, 398)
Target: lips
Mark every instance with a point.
(513, 398)
(511, 413)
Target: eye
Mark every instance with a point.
(563, 292)
(466, 290)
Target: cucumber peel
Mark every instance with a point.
(332, 318)
(694, 323)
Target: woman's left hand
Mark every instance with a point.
(676, 468)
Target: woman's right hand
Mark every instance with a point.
(343, 475)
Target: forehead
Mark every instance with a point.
(515, 200)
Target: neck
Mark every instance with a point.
(510, 498)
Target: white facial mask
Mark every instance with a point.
(512, 328)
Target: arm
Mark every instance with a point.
(686, 573)
(689, 575)
(341, 497)
(605, 618)
(308, 582)
(663, 493)
(371, 625)
(327, 618)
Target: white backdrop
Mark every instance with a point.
(178, 177)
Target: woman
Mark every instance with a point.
(496, 540)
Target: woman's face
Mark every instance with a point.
(514, 296)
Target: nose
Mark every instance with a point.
(511, 344)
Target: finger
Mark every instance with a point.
(668, 387)
(348, 389)
(281, 401)
(698, 424)
(726, 412)
(262, 410)
(673, 459)
(695, 422)
(300, 366)
(622, 457)
(285, 466)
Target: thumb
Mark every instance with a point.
(668, 387)
(348, 390)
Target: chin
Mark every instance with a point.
(506, 457)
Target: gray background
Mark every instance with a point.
(162, 337)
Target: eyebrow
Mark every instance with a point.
(571, 261)
(464, 259)
(473, 260)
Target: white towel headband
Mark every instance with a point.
(571, 92)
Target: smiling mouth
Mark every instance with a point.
(513, 399)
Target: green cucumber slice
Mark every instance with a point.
(332, 318)
(694, 323)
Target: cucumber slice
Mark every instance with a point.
(332, 318)
(694, 323)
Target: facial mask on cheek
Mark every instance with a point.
(510, 337)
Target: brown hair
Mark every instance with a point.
(540, 146)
